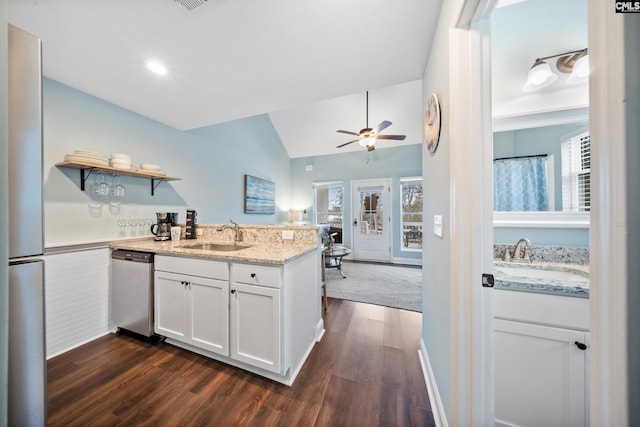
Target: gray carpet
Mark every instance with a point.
(380, 284)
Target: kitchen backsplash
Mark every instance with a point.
(303, 235)
(548, 254)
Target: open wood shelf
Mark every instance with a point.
(155, 178)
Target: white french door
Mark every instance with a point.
(371, 222)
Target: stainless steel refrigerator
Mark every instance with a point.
(27, 404)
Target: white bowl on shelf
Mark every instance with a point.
(120, 156)
(149, 167)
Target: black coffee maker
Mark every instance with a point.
(162, 230)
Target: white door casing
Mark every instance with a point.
(371, 222)
(472, 391)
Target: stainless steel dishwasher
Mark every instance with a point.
(132, 292)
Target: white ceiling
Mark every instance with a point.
(307, 64)
(298, 60)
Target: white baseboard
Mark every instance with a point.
(319, 329)
(439, 415)
(78, 344)
(407, 261)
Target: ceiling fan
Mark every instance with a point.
(367, 137)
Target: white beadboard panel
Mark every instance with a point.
(76, 298)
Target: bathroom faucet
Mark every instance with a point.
(236, 228)
(520, 254)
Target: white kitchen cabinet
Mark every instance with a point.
(193, 309)
(256, 315)
(256, 319)
(540, 366)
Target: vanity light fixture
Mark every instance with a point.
(157, 68)
(574, 63)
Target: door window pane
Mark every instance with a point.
(371, 212)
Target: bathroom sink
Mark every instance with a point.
(542, 274)
(221, 247)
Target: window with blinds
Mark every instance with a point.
(576, 176)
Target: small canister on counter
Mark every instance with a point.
(190, 232)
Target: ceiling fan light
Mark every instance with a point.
(540, 76)
(580, 71)
(368, 141)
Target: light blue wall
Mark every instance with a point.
(565, 237)
(436, 260)
(211, 162)
(394, 163)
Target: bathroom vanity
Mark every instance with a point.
(541, 344)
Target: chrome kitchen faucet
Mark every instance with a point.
(236, 228)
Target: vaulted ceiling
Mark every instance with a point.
(306, 64)
(230, 59)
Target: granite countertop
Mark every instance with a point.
(260, 253)
(577, 286)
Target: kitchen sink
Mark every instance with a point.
(222, 247)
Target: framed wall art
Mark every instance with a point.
(259, 196)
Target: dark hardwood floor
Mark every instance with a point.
(364, 372)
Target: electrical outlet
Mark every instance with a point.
(287, 234)
(198, 232)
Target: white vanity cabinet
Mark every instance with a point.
(256, 315)
(541, 353)
(192, 302)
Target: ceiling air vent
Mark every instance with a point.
(191, 4)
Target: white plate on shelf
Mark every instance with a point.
(91, 154)
(85, 159)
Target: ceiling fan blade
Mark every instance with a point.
(348, 132)
(347, 143)
(382, 126)
(396, 137)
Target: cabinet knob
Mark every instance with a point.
(580, 345)
(253, 275)
(233, 291)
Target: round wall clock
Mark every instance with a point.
(432, 123)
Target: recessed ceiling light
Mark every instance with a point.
(157, 67)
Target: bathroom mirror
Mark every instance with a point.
(541, 175)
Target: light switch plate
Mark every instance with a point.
(199, 232)
(437, 225)
(287, 234)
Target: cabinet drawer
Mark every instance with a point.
(257, 275)
(194, 267)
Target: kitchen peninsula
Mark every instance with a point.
(252, 303)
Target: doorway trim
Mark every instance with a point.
(608, 390)
(472, 390)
